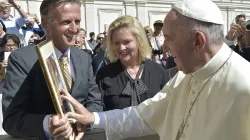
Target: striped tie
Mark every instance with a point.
(65, 69)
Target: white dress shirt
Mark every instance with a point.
(214, 102)
(72, 73)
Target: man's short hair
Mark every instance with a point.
(48, 4)
(91, 33)
(239, 16)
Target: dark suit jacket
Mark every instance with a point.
(246, 53)
(97, 60)
(112, 80)
(26, 98)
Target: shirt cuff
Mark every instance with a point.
(46, 127)
(100, 120)
(229, 42)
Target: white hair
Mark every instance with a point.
(213, 32)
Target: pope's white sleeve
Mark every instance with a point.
(121, 124)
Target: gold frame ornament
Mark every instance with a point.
(54, 78)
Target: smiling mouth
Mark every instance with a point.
(123, 52)
(70, 38)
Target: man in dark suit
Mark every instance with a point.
(27, 106)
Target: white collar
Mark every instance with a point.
(8, 19)
(59, 53)
(214, 64)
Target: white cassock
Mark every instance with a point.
(213, 103)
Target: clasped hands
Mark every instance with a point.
(61, 128)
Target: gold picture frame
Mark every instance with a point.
(54, 77)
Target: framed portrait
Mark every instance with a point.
(54, 77)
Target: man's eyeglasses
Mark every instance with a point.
(15, 46)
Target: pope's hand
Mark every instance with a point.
(82, 115)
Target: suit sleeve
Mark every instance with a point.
(93, 102)
(17, 120)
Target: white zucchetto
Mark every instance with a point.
(202, 10)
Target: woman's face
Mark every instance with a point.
(149, 35)
(125, 45)
(10, 45)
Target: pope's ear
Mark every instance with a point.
(200, 41)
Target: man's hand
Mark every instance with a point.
(13, 2)
(235, 31)
(37, 20)
(4, 64)
(60, 128)
(82, 114)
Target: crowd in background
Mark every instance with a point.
(28, 30)
(18, 32)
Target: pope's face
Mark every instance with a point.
(179, 45)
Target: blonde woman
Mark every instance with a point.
(130, 78)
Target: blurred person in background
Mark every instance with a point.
(33, 39)
(235, 31)
(81, 42)
(100, 59)
(243, 45)
(2, 30)
(92, 42)
(149, 33)
(13, 24)
(167, 61)
(157, 41)
(9, 43)
(33, 26)
(130, 78)
(99, 41)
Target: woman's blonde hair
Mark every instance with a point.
(148, 28)
(138, 31)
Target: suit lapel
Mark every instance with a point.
(76, 62)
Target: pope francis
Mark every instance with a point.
(208, 99)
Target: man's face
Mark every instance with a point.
(63, 25)
(92, 37)
(5, 12)
(100, 38)
(82, 34)
(30, 24)
(158, 27)
(10, 45)
(180, 46)
(241, 20)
